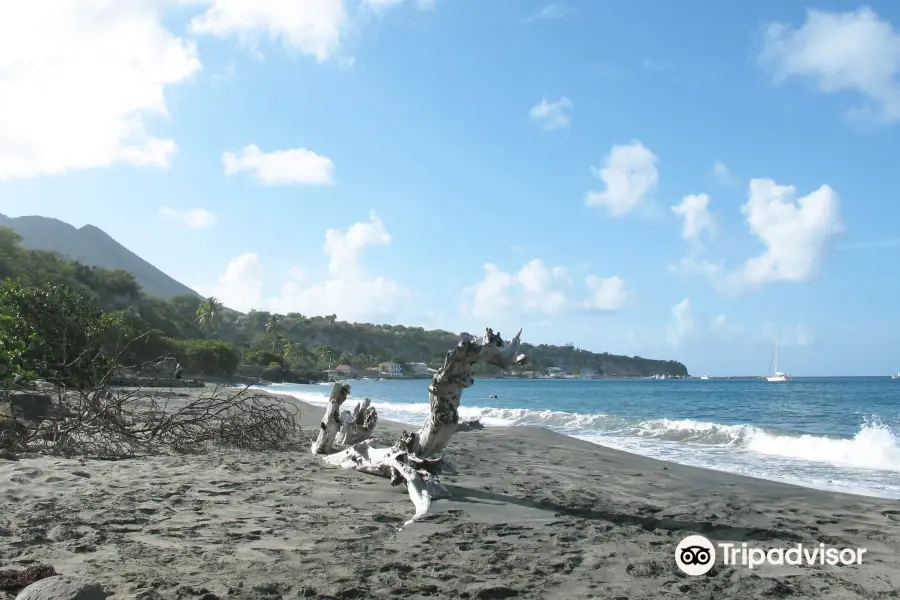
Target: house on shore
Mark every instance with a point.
(390, 369)
(419, 369)
(342, 372)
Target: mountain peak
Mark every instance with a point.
(92, 246)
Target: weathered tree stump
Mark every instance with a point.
(415, 459)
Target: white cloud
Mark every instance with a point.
(313, 27)
(688, 324)
(79, 82)
(794, 232)
(348, 291)
(855, 51)
(553, 115)
(631, 178)
(683, 323)
(692, 265)
(345, 247)
(535, 289)
(240, 286)
(695, 216)
(608, 294)
(196, 218)
(724, 327)
(384, 4)
(722, 174)
(281, 167)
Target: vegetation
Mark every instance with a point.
(69, 322)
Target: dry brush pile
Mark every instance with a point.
(106, 423)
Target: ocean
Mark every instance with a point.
(831, 433)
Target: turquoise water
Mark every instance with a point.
(838, 433)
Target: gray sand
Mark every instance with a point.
(534, 515)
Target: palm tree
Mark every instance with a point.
(272, 329)
(209, 315)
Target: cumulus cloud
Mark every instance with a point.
(696, 219)
(854, 51)
(348, 291)
(240, 286)
(313, 27)
(794, 232)
(537, 289)
(63, 110)
(195, 218)
(682, 323)
(631, 178)
(722, 174)
(80, 83)
(692, 265)
(552, 115)
(608, 294)
(695, 216)
(689, 324)
(280, 167)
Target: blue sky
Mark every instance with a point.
(457, 164)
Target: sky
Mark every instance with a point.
(680, 180)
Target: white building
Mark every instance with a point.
(419, 368)
(389, 369)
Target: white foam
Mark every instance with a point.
(866, 464)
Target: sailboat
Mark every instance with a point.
(778, 376)
(896, 375)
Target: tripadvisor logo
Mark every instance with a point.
(695, 555)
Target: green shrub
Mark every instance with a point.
(11, 352)
(263, 358)
(207, 357)
(61, 328)
(127, 338)
(273, 373)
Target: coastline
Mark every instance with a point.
(535, 514)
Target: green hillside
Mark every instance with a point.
(62, 308)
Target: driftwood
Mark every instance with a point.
(415, 459)
(343, 427)
(358, 425)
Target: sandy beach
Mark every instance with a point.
(534, 515)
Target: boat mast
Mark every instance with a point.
(776, 353)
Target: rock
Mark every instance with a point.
(30, 405)
(164, 368)
(62, 587)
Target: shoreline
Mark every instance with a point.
(534, 515)
(821, 476)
